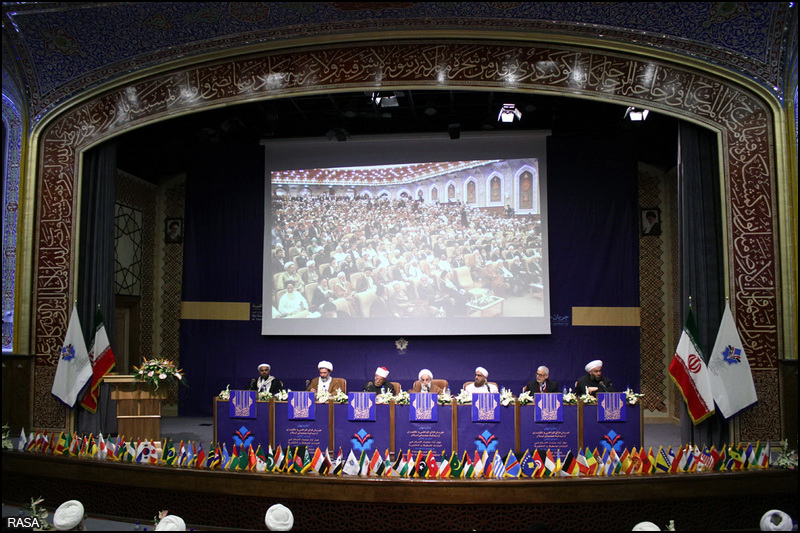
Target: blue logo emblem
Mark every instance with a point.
(486, 442)
(732, 355)
(243, 437)
(68, 352)
(612, 441)
(362, 441)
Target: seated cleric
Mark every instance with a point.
(325, 382)
(593, 382)
(265, 382)
(425, 383)
(379, 385)
(480, 384)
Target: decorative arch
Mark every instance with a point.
(367, 192)
(739, 112)
(404, 190)
(527, 197)
(434, 193)
(451, 191)
(470, 192)
(495, 189)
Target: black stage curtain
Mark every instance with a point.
(96, 266)
(702, 268)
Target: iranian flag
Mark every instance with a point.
(102, 359)
(690, 374)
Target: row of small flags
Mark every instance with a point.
(299, 459)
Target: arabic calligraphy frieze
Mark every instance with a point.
(745, 124)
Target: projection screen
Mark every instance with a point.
(406, 235)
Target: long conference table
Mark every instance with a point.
(453, 427)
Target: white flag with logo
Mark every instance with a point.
(74, 369)
(731, 380)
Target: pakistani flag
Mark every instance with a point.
(729, 371)
(690, 374)
(74, 369)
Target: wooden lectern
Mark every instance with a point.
(138, 407)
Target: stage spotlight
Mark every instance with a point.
(508, 112)
(385, 99)
(455, 131)
(339, 134)
(636, 115)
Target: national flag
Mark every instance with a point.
(729, 370)
(399, 465)
(549, 469)
(169, 454)
(181, 452)
(636, 460)
(261, 460)
(444, 466)
(487, 464)
(498, 469)
(211, 458)
(153, 459)
(705, 461)
(279, 459)
(468, 471)
(388, 466)
(648, 461)
(662, 461)
(352, 466)
(591, 462)
(102, 449)
(512, 467)
(570, 465)
(269, 459)
(736, 455)
(363, 464)
(422, 465)
(190, 453)
(252, 460)
(101, 358)
(432, 465)
(74, 368)
(23, 441)
(456, 466)
(581, 465)
(61, 445)
(719, 458)
(317, 462)
(538, 463)
(200, 456)
(143, 452)
(527, 465)
(691, 458)
(762, 456)
(43, 443)
(216, 462)
(749, 456)
(233, 458)
(690, 374)
(376, 465)
(677, 462)
(338, 464)
(244, 458)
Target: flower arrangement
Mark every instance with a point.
(631, 397)
(506, 397)
(787, 458)
(403, 398)
(7, 444)
(588, 399)
(38, 512)
(525, 398)
(570, 398)
(464, 398)
(445, 398)
(325, 397)
(225, 395)
(159, 372)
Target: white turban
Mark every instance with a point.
(776, 520)
(646, 526)
(325, 364)
(171, 523)
(264, 364)
(594, 364)
(68, 515)
(425, 372)
(481, 370)
(279, 518)
(382, 372)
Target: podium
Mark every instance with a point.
(138, 406)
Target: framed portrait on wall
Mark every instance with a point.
(651, 221)
(173, 231)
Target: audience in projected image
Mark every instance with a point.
(341, 250)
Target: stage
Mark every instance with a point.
(710, 501)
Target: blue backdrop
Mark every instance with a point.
(593, 235)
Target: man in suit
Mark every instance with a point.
(325, 382)
(542, 383)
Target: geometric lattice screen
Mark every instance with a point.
(127, 250)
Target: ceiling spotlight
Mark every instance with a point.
(508, 112)
(636, 115)
(385, 99)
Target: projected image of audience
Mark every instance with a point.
(428, 240)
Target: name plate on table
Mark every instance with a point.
(243, 404)
(301, 406)
(424, 407)
(486, 407)
(611, 407)
(548, 408)
(361, 406)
